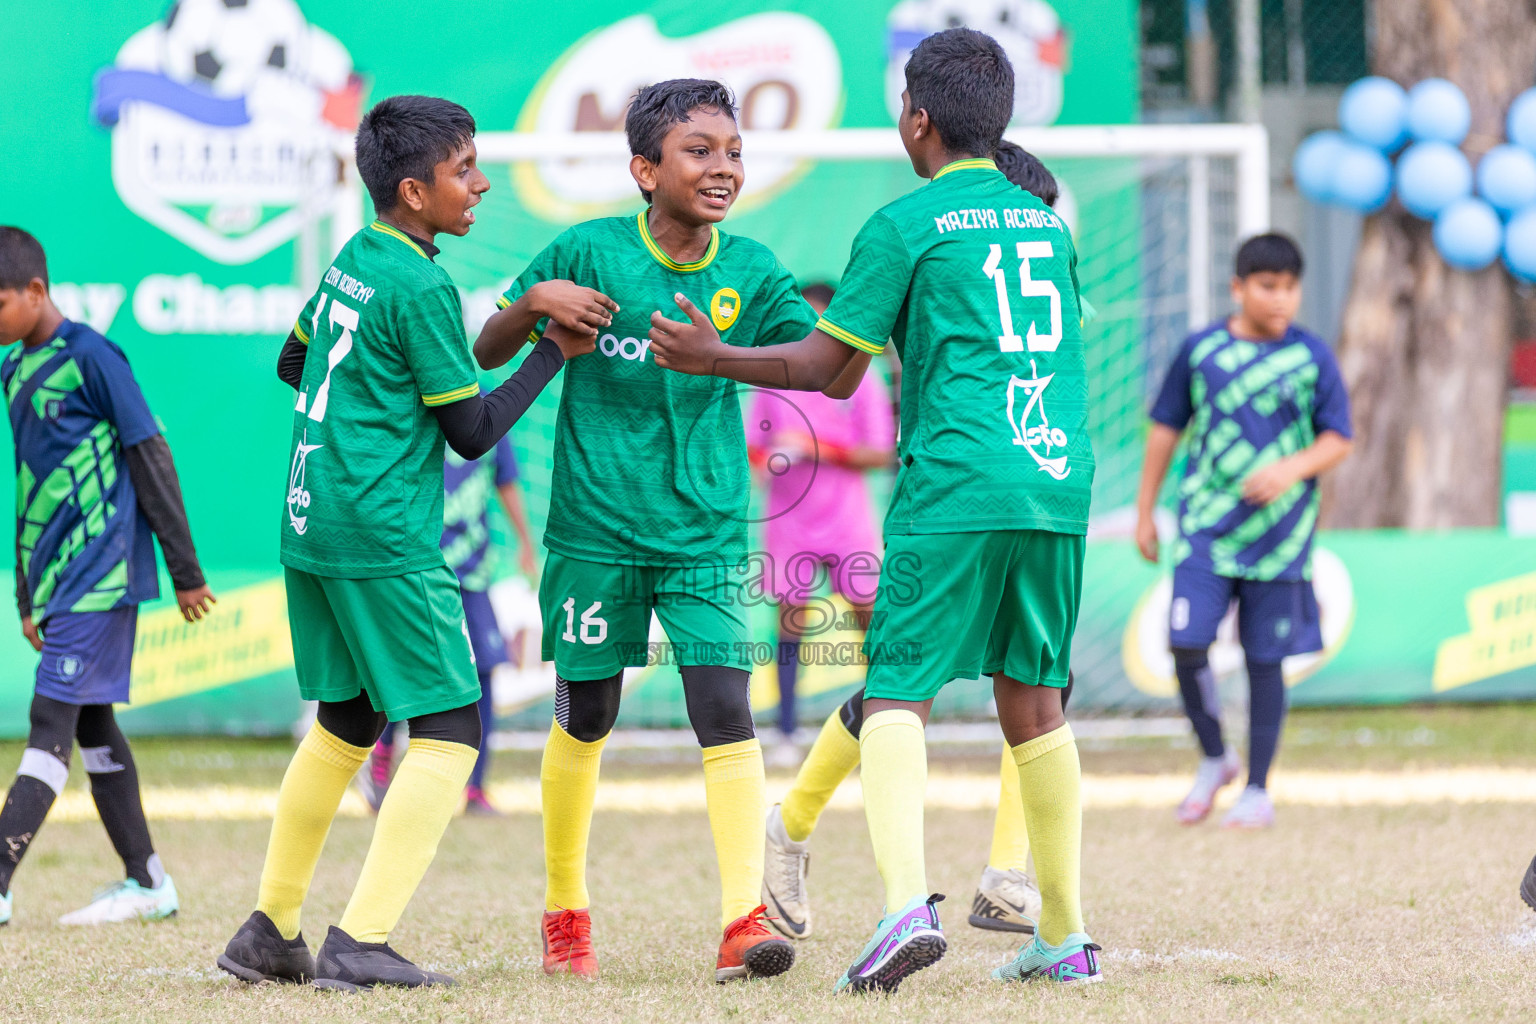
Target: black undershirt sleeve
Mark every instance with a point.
(290, 361)
(23, 596)
(159, 494)
(473, 426)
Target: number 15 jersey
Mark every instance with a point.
(386, 344)
(975, 280)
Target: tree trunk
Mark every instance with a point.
(1425, 349)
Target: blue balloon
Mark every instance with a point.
(1468, 234)
(1506, 177)
(1520, 244)
(1432, 176)
(1375, 111)
(1315, 163)
(1438, 112)
(1362, 178)
(1521, 122)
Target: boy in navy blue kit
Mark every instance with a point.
(94, 478)
(1267, 414)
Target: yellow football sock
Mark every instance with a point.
(832, 757)
(568, 783)
(895, 774)
(1050, 779)
(426, 790)
(733, 792)
(1010, 836)
(312, 789)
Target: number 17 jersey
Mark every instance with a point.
(975, 281)
(386, 343)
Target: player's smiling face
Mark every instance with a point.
(700, 173)
(447, 205)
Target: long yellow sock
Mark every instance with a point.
(895, 775)
(1050, 779)
(312, 789)
(426, 790)
(1010, 835)
(568, 784)
(832, 757)
(733, 792)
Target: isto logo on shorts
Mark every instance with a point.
(633, 349)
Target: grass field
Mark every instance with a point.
(1386, 893)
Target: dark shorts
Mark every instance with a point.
(1275, 618)
(87, 656)
(485, 637)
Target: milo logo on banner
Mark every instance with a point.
(783, 68)
(226, 116)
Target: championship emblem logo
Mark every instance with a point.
(226, 118)
(724, 308)
(1032, 428)
(783, 68)
(1029, 31)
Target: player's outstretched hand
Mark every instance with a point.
(1146, 538)
(573, 306)
(572, 343)
(687, 346)
(29, 630)
(1265, 485)
(196, 603)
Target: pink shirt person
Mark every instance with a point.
(818, 509)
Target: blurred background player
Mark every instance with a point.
(1270, 415)
(985, 537)
(1007, 898)
(467, 486)
(649, 500)
(94, 480)
(815, 452)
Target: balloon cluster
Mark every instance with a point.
(1478, 213)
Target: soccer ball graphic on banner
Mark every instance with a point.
(1029, 31)
(226, 45)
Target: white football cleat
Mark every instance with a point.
(1210, 777)
(785, 866)
(128, 901)
(5, 908)
(1006, 901)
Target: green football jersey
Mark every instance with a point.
(975, 280)
(651, 465)
(386, 344)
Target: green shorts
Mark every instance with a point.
(400, 639)
(964, 605)
(597, 616)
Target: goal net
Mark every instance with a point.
(1156, 213)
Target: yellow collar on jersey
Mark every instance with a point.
(385, 229)
(668, 261)
(974, 163)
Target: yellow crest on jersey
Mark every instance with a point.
(724, 308)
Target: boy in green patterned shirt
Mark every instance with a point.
(649, 503)
(975, 282)
(378, 627)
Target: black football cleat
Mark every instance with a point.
(1528, 886)
(258, 953)
(349, 965)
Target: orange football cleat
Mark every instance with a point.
(750, 950)
(568, 943)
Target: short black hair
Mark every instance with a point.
(965, 82)
(656, 108)
(21, 259)
(405, 137)
(818, 291)
(1272, 253)
(1025, 170)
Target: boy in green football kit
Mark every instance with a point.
(378, 627)
(649, 504)
(975, 282)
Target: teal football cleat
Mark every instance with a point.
(1072, 961)
(905, 942)
(127, 901)
(5, 908)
